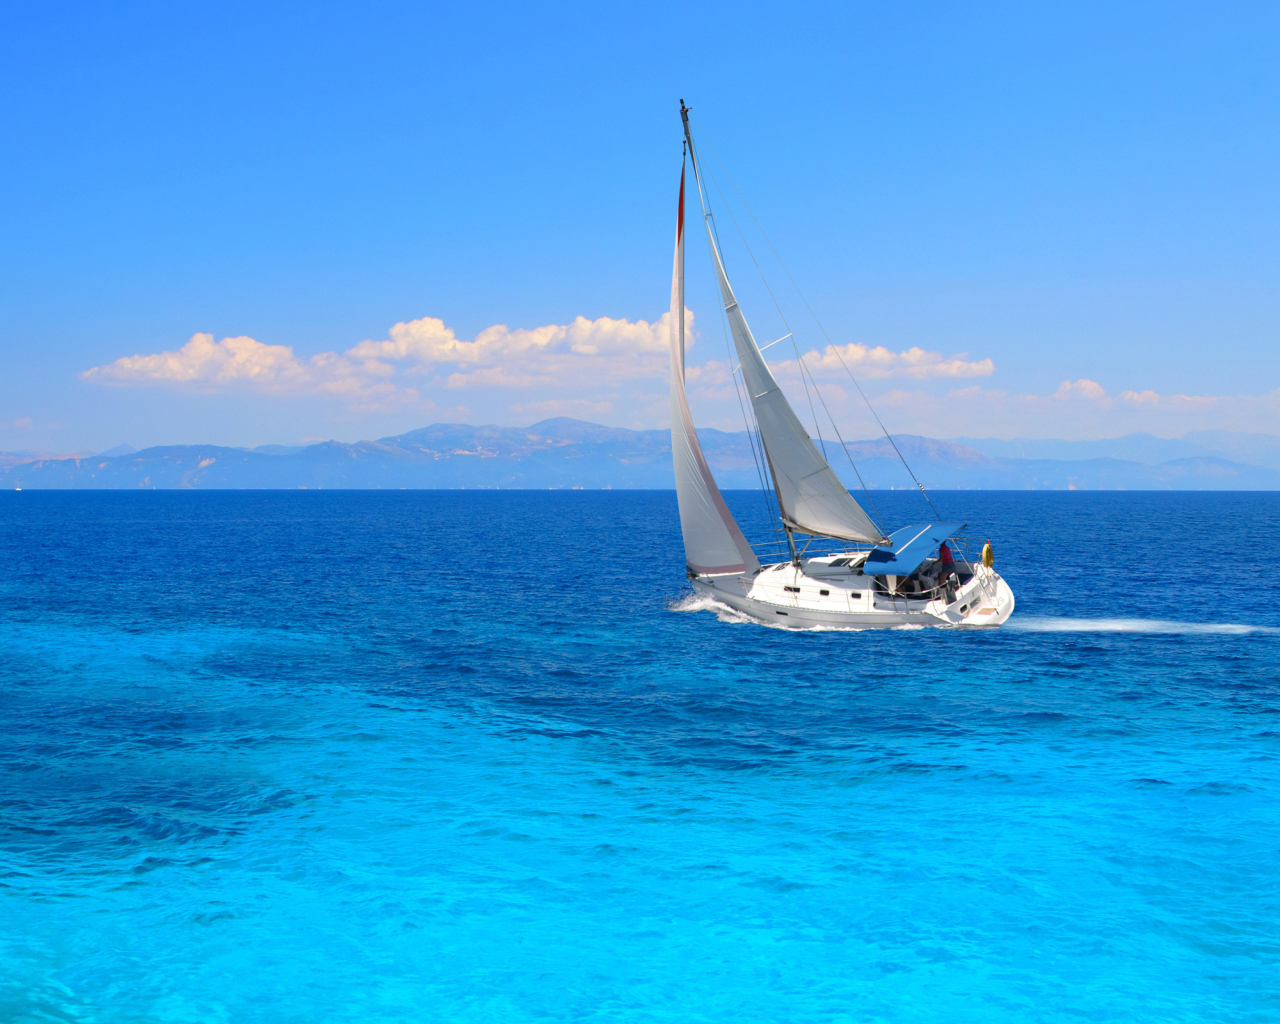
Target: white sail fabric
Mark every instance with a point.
(811, 496)
(713, 543)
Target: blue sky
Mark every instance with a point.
(1071, 211)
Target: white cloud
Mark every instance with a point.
(711, 385)
(1080, 409)
(1082, 388)
(615, 370)
(200, 359)
(428, 340)
(600, 356)
(879, 363)
(423, 353)
(601, 350)
(206, 365)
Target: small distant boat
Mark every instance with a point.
(908, 577)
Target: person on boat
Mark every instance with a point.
(988, 556)
(946, 572)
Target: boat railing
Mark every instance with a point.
(813, 547)
(770, 552)
(964, 572)
(966, 567)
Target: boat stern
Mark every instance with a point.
(987, 601)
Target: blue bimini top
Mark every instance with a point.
(911, 546)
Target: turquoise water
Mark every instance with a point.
(475, 756)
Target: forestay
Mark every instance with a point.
(811, 496)
(713, 543)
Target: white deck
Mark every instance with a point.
(817, 593)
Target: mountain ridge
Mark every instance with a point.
(565, 453)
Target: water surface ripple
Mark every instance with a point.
(470, 756)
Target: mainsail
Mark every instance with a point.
(713, 543)
(811, 497)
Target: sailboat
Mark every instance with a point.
(858, 577)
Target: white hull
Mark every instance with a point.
(910, 577)
(815, 594)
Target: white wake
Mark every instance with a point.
(1049, 624)
(1023, 624)
(702, 603)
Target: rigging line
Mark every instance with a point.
(757, 457)
(804, 369)
(754, 438)
(751, 440)
(781, 315)
(818, 322)
(856, 472)
(773, 503)
(886, 433)
(774, 515)
(759, 270)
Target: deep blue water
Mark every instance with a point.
(455, 756)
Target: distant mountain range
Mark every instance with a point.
(569, 453)
(1248, 449)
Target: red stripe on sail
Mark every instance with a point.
(680, 218)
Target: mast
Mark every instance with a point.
(697, 177)
(810, 496)
(713, 542)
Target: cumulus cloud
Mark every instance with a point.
(711, 381)
(1178, 403)
(201, 359)
(425, 353)
(603, 350)
(428, 340)
(206, 365)
(1077, 409)
(417, 354)
(879, 363)
(615, 370)
(1082, 388)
